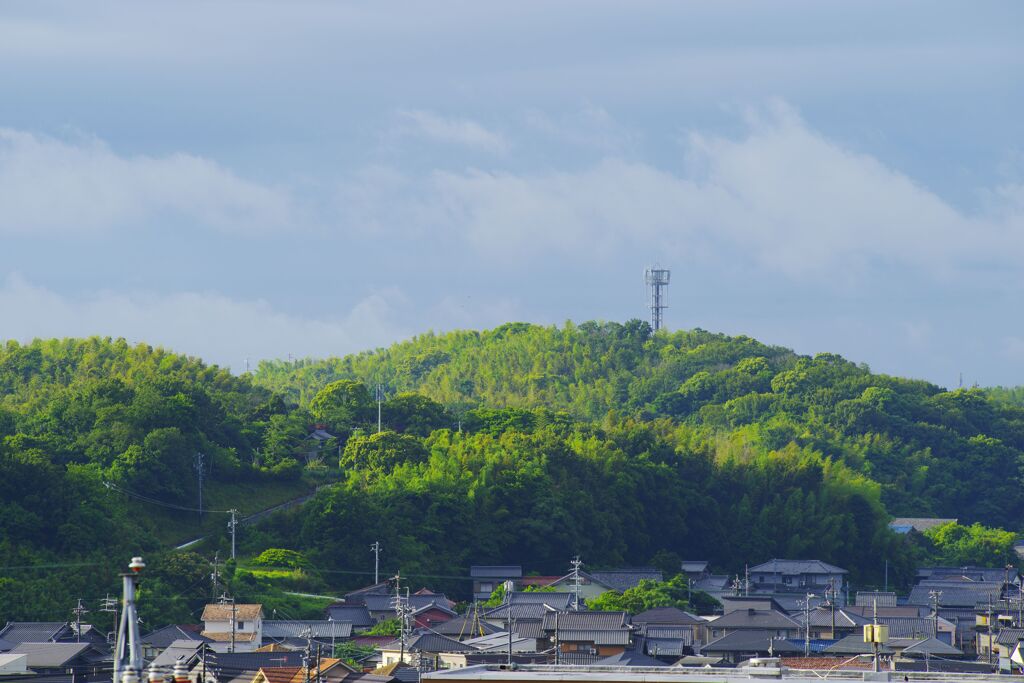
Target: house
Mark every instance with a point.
(631, 658)
(537, 581)
(465, 626)
(240, 667)
(591, 633)
(295, 634)
(873, 599)
(1007, 641)
(732, 603)
(659, 640)
(187, 651)
(155, 642)
(488, 577)
(382, 606)
(776, 623)
(623, 579)
(421, 650)
(738, 646)
(501, 642)
(81, 660)
(322, 670)
(588, 585)
(904, 525)
(317, 442)
(526, 606)
(827, 623)
(666, 616)
(233, 627)
(432, 615)
(802, 576)
(357, 615)
(15, 632)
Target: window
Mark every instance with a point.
(486, 587)
(241, 624)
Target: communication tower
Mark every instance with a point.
(657, 279)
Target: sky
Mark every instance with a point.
(253, 180)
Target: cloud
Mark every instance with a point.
(51, 186)
(782, 197)
(217, 328)
(464, 132)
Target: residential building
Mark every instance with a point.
(904, 525)
(777, 624)
(295, 634)
(422, 650)
(233, 627)
(799, 576)
(623, 579)
(589, 633)
(488, 577)
(355, 614)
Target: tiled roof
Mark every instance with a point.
(796, 567)
(33, 631)
(487, 571)
(280, 674)
(430, 642)
(750, 641)
(386, 603)
(910, 627)
(465, 627)
(226, 612)
(665, 615)
(1010, 636)
(904, 524)
(539, 581)
(596, 636)
(226, 636)
(684, 633)
(163, 637)
(357, 615)
(694, 566)
(586, 621)
(530, 628)
(556, 600)
(299, 629)
(252, 661)
(855, 645)
(179, 649)
(931, 646)
(872, 598)
(624, 579)
(754, 619)
(517, 612)
(960, 595)
(992, 574)
(822, 616)
(714, 582)
(630, 658)
(49, 655)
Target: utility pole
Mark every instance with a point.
(935, 596)
(234, 616)
(128, 660)
(380, 402)
(109, 604)
(989, 657)
(376, 561)
(576, 564)
(200, 471)
(807, 624)
(215, 576)
(511, 627)
(233, 524)
(79, 610)
(746, 580)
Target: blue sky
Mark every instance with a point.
(252, 180)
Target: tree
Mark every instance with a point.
(382, 452)
(342, 405)
(415, 414)
(957, 545)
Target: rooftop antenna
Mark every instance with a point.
(657, 278)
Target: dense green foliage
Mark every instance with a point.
(77, 413)
(650, 594)
(520, 445)
(933, 452)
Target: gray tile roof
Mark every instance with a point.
(464, 627)
(533, 628)
(486, 571)
(871, 598)
(991, 574)
(50, 655)
(931, 646)
(958, 595)
(164, 637)
(528, 611)
(666, 615)
(694, 566)
(595, 636)
(430, 642)
(586, 621)
(908, 627)
(624, 579)
(34, 631)
(275, 629)
(251, 661)
(750, 641)
(357, 615)
(754, 619)
(1010, 636)
(796, 567)
(822, 617)
(855, 645)
(630, 658)
(556, 600)
(386, 603)
(179, 649)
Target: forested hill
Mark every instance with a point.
(933, 452)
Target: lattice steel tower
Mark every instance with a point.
(656, 279)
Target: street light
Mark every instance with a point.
(558, 646)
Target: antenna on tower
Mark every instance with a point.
(656, 279)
